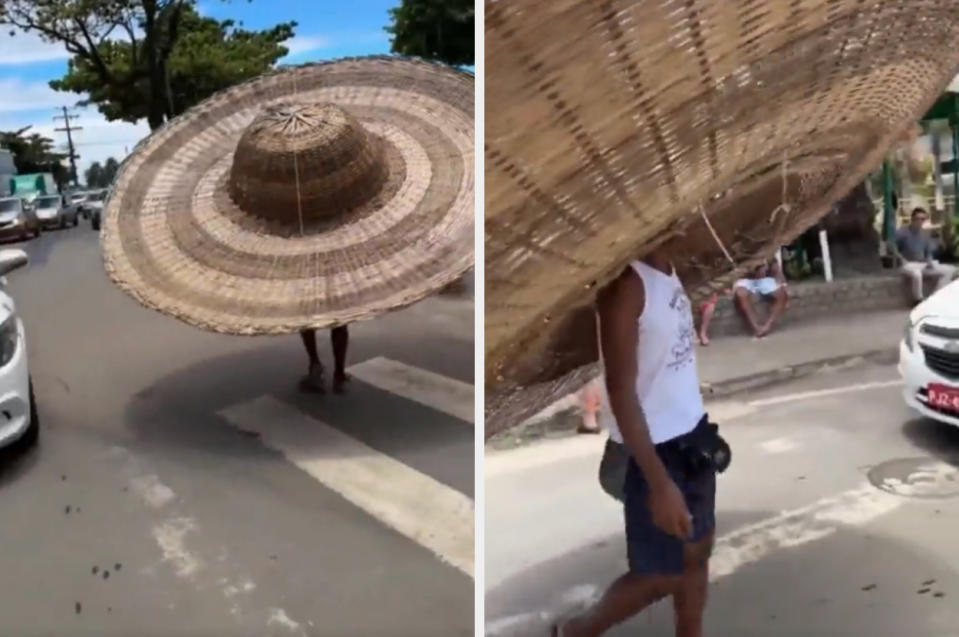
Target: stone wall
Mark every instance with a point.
(819, 299)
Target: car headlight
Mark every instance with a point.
(9, 339)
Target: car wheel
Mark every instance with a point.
(32, 434)
(95, 223)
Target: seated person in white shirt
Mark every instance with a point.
(765, 282)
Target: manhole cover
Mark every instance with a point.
(916, 478)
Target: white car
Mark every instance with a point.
(18, 409)
(929, 356)
(93, 206)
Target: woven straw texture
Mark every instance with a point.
(314, 196)
(615, 126)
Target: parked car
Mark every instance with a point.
(74, 202)
(929, 356)
(17, 219)
(94, 207)
(51, 212)
(18, 406)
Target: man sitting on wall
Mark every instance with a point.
(765, 282)
(913, 249)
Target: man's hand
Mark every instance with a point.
(669, 511)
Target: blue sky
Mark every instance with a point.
(327, 29)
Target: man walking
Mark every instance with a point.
(647, 344)
(913, 248)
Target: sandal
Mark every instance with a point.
(313, 381)
(339, 382)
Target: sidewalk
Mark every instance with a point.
(733, 364)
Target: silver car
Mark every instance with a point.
(17, 219)
(52, 213)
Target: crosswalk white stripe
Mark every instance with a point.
(428, 512)
(436, 391)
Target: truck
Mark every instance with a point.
(32, 185)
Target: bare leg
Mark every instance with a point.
(708, 310)
(590, 399)
(314, 379)
(780, 296)
(309, 343)
(626, 597)
(744, 302)
(689, 602)
(340, 340)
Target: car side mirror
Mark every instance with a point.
(11, 260)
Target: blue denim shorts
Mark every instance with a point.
(652, 551)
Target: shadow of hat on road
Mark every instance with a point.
(182, 408)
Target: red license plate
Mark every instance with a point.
(944, 397)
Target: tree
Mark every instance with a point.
(101, 175)
(85, 28)
(110, 168)
(207, 56)
(94, 176)
(34, 154)
(434, 29)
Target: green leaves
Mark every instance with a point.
(34, 153)
(440, 30)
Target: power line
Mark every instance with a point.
(66, 117)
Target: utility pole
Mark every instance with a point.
(66, 117)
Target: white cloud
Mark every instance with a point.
(98, 139)
(305, 43)
(27, 48)
(19, 95)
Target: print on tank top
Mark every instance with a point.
(682, 350)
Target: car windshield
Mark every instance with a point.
(45, 203)
(97, 196)
(9, 205)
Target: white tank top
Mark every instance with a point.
(667, 384)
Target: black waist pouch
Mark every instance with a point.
(702, 449)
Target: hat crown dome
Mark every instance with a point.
(303, 162)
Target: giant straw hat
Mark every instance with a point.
(726, 127)
(311, 197)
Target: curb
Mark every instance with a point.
(565, 420)
(772, 377)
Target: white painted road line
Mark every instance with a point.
(428, 512)
(822, 393)
(436, 391)
(753, 542)
(743, 546)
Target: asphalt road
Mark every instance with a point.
(838, 516)
(183, 486)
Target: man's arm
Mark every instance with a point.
(620, 306)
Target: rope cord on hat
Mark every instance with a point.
(296, 174)
(784, 207)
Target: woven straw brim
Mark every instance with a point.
(613, 126)
(174, 239)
